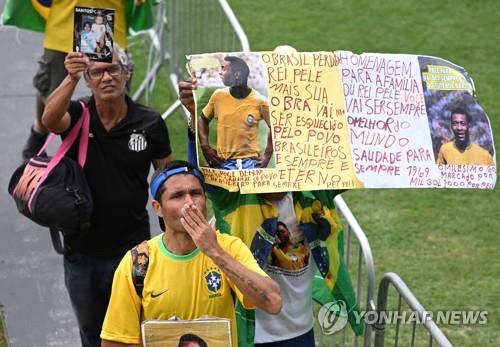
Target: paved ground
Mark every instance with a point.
(32, 293)
(35, 303)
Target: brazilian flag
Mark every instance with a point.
(24, 15)
(32, 14)
(254, 220)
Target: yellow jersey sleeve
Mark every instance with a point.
(123, 317)
(264, 111)
(440, 159)
(209, 109)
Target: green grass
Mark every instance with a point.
(3, 339)
(443, 243)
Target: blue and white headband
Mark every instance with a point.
(161, 178)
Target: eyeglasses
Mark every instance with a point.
(113, 70)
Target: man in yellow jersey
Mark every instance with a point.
(461, 150)
(238, 110)
(193, 270)
(57, 42)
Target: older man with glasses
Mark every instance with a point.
(124, 139)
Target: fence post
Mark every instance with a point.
(405, 293)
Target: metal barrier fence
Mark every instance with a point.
(359, 261)
(433, 331)
(201, 26)
(189, 27)
(157, 54)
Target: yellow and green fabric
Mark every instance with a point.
(32, 14)
(254, 220)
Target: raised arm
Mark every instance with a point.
(162, 162)
(186, 96)
(55, 116)
(260, 290)
(203, 131)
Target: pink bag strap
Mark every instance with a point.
(73, 134)
(84, 136)
(81, 128)
(49, 139)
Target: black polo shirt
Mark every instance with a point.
(117, 168)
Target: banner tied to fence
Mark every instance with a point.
(274, 121)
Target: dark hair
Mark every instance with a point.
(279, 240)
(192, 338)
(281, 223)
(460, 110)
(238, 64)
(87, 23)
(191, 169)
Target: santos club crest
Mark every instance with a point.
(137, 142)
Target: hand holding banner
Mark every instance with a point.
(339, 121)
